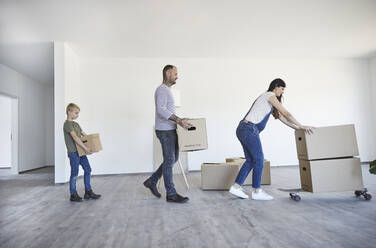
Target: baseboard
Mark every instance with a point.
(46, 166)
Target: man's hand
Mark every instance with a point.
(184, 123)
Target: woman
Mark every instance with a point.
(248, 134)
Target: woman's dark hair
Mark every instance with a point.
(274, 84)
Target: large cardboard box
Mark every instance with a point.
(327, 142)
(91, 141)
(331, 175)
(218, 176)
(195, 138)
(266, 178)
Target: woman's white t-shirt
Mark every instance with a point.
(260, 108)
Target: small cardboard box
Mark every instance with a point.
(266, 178)
(218, 176)
(91, 141)
(327, 142)
(194, 139)
(331, 175)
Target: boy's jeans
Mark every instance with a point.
(75, 162)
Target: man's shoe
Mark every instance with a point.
(89, 194)
(177, 198)
(75, 198)
(153, 187)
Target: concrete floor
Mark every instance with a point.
(36, 213)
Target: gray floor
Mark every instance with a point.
(36, 213)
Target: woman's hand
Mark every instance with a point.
(307, 129)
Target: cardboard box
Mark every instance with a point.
(266, 178)
(91, 141)
(327, 142)
(194, 139)
(221, 176)
(218, 176)
(331, 175)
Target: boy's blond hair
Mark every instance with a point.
(72, 106)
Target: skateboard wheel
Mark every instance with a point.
(367, 196)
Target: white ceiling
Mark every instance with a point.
(190, 28)
(32, 59)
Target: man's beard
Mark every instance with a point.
(170, 82)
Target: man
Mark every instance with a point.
(165, 128)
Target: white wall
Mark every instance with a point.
(49, 125)
(67, 89)
(116, 100)
(34, 132)
(319, 93)
(372, 72)
(5, 131)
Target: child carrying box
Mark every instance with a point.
(72, 134)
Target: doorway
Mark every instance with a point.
(8, 134)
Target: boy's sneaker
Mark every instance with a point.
(89, 194)
(238, 192)
(261, 195)
(75, 198)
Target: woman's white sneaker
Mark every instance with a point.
(261, 195)
(238, 192)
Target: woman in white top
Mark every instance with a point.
(248, 134)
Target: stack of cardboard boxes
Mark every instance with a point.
(214, 176)
(220, 176)
(265, 180)
(326, 159)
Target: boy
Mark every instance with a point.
(72, 134)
